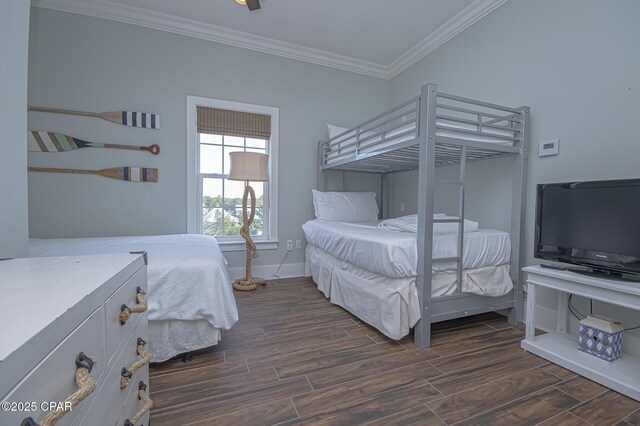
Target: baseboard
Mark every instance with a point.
(288, 270)
(546, 321)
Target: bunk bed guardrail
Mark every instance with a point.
(389, 142)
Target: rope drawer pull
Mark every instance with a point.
(86, 385)
(148, 405)
(126, 311)
(127, 373)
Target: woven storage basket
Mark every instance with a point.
(601, 337)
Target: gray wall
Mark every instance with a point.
(492, 209)
(97, 65)
(14, 36)
(576, 63)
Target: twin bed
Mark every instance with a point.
(393, 280)
(190, 301)
(372, 271)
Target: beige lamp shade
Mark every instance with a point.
(251, 166)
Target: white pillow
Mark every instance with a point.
(334, 131)
(345, 206)
(350, 137)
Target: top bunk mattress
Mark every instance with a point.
(187, 274)
(395, 254)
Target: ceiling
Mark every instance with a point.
(380, 38)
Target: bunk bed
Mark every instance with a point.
(431, 130)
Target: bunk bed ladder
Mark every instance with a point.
(463, 170)
(426, 191)
(460, 220)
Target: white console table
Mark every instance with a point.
(561, 347)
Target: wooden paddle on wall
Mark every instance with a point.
(128, 118)
(57, 142)
(129, 174)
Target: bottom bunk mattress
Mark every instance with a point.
(395, 254)
(391, 304)
(190, 294)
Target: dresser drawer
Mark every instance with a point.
(133, 405)
(124, 298)
(53, 379)
(108, 407)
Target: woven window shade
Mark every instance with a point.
(226, 122)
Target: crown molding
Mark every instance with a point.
(188, 27)
(119, 12)
(454, 26)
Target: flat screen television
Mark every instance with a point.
(593, 224)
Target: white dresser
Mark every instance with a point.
(74, 327)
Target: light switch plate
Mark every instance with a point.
(548, 147)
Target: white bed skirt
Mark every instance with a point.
(168, 338)
(391, 304)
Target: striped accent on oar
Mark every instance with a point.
(50, 142)
(141, 119)
(138, 174)
(56, 142)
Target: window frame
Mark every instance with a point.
(269, 238)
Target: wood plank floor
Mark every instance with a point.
(294, 358)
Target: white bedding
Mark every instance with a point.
(407, 132)
(394, 254)
(409, 223)
(391, 304)
(168, 338)
(188, 278)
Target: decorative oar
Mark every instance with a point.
(128, 118)
(57, 142)
(130, 174)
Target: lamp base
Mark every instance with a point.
(248, 284)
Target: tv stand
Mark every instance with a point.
(561, 347)
(604, 274)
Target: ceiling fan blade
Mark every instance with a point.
(253, 4)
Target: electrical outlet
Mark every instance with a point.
(298, 244)
(289, 245)
(401, 207)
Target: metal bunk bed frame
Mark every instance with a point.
(405, 138)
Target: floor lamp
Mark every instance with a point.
(248, 166)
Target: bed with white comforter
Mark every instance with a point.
(190, 294)
(371, 270)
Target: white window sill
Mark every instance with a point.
(239, 245)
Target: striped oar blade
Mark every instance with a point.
(138, 174)
(128, 118)
(50, 142)
(138, 119)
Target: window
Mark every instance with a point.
(216, 128)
